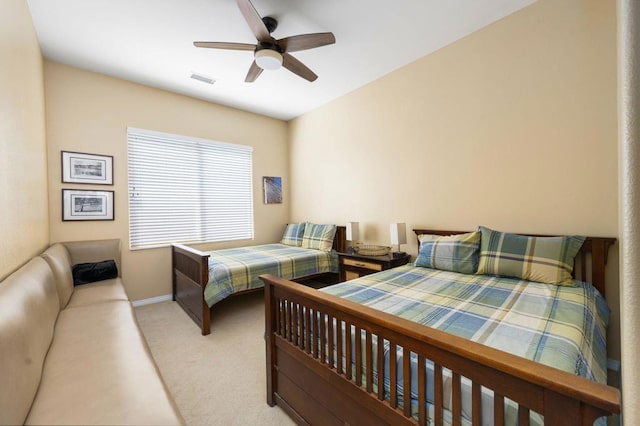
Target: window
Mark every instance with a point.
(188, 190)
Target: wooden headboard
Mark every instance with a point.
(589, 264)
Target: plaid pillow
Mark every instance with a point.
(293, 234)
(543, 259)
(319, 237)
(457, 253)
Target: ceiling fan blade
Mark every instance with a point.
(224, 45)
(254, 20)
(306, 41)
(297, 67)
(254, 72)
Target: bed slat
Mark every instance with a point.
(498, 409)
(296, 324)
(357, 338)
(369, 361)
(308, 331)
(523, 416)
(406, 377)
(283, 318)
(323, 337)
(393, 376)
(380, 361)
(422, 390)
(340, 349)
(437, 403)
(314, 333)
(349, 350)
(289, 318)
(476, 404)
(456, 397)
(330, 344)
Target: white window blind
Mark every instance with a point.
(188, 190)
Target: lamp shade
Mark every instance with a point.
(353, 231)
(398, 233)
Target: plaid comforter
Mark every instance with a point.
(237, 269)
(560, 326)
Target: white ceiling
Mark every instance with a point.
(150, 42)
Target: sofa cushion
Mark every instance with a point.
(59, 261)
(29, 306)
(61, 257)
(102, 291)
(100, 371)
(94, 251)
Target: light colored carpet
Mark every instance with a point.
(217, 379)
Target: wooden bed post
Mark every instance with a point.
(599, 251)
(206, 318)
(173, 274)
(190, 271)
(269, 329)
(563, 410)
(340, 240)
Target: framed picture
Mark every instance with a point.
(78, 167)
(79, 204)
(272, 186)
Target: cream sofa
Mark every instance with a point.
(75, 355)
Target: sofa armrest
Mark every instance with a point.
(94, 251)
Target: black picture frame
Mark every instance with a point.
(80, 167)
(83, 205)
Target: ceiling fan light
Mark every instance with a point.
(268, 59)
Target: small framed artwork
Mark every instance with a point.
(78, 167)
(272, 186)
(79, 204)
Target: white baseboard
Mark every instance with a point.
(151, 300)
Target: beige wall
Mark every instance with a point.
(89, 112)
(24, 226)
(512, 127)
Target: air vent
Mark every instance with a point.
(202, 78)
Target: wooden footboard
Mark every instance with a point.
(190, 276)
(315, 384)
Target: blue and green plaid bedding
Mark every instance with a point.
(560, 326)
(237, 269)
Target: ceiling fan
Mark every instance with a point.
(270, 53)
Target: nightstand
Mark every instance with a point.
(353, 265)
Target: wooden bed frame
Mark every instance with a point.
(191, 274)
(313, 385)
